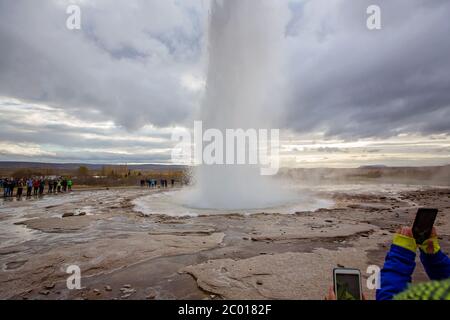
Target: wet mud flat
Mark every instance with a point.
(123, 254)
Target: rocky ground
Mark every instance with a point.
(125, 255)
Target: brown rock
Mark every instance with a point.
(150, 296)
(67, 214)
(49, 286)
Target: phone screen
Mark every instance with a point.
(423, 224)
(348, 286)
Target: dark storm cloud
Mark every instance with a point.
(91, 157)
(140, 63)
(126, 61)
(351, 82)
(70, 138)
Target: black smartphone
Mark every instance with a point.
(347, 284)
(423, 224)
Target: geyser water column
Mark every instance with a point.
(244, 49)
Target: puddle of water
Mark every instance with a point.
(167, 203)
(308, 199)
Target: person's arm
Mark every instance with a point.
(435, 262)
(398, 266)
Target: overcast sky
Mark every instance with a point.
(115, 90)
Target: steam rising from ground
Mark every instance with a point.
(242, 92)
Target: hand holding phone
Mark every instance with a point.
(347, 284)
(423, 224)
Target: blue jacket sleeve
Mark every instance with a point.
(396, 273)
(437, 266)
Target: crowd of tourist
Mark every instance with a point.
(34, 186)
(153, 183)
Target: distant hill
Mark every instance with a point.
(438, 175)
(10, 166)
(373, 166)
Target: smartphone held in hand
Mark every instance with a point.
(347, 284)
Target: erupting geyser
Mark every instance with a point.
(243, 76)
